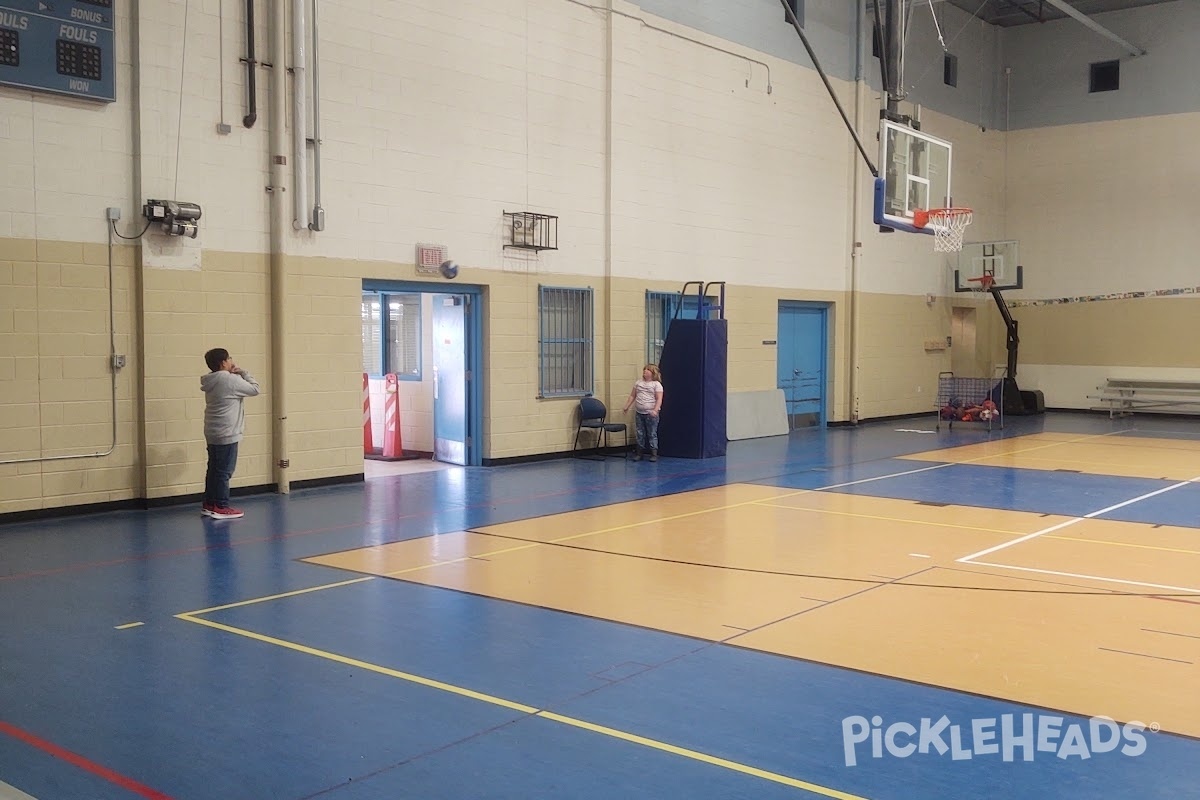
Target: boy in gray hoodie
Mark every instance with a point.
(225, 387)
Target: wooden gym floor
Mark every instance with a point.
(868, 613)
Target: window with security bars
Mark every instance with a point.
(391, 334)
(660, 310)
(565, 341)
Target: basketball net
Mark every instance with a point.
(948, 224)
(982, 284)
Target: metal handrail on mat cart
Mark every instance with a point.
(974, 400)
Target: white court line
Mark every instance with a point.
(884, 477)
(11, 793)
(1090, 577)
(963, 463)
(1072, 521)
(1162, 587)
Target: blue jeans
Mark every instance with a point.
(222, 460)
(647, 431)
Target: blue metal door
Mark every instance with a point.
(800, 362)
(450, 428)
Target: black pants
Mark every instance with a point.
(222, 460)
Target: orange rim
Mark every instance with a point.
(921, 217)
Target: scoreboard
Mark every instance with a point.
(59, 46)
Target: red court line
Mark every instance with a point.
(81, 762)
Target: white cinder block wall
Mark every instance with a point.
(1100, 192)
(185, 91)
(666, 161)
(437, 116)
(434, 119)
(714, 179)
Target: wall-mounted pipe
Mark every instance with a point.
(299, 118)
(854, 378)
(318, 213)
(277, 159)
(251, 67)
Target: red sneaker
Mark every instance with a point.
(206, 510)
(224, 512)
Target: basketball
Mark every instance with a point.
(449, 270)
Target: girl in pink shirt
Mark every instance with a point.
(647, 397)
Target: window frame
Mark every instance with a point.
(385, 322)
(664, 306)
(585, 341)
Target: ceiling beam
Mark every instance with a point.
(1070, 11)
(1024, 11)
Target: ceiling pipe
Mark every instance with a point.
(251, 65)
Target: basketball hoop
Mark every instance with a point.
(949, 225)
(985, 283)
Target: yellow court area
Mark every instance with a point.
(1086, 616)
(1129, 457)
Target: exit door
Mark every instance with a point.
(451, 429)
(800, 362)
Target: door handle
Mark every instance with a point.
(435, 382)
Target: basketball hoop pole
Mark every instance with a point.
(791, 17)
(987, 284)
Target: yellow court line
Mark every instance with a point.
(704, 757)
(526, 709)
(279, 596)
(1124, 544)
(783, 496)
(882, 518)
(312, 651)
(567, 539)
(1098, 466)
(771, 776)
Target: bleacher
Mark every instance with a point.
(1124, 396)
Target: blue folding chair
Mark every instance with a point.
(593, 415)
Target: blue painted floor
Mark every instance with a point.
(364, 690)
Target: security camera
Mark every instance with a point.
(174, 218)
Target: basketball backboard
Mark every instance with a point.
(915, 174)
(999, 260)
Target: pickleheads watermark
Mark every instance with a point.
(1008, 737)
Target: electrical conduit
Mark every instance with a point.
(279, 224)
(299, 118)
